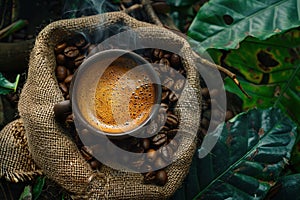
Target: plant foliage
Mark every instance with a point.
(223, 24)
(247, 160)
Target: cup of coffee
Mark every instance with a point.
(115, 93)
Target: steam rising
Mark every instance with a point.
(79, 8)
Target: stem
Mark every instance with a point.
(225, 71)
(12, 28)
(151, 13)
(16, 82)
(133, 8)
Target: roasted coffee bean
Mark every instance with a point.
(168, 82)
(158, 53)
(161, 177)
(71, 52)
(60, 47)
(161, 119)
(175, 61)
(229, 115)
(159, 139)
(62, 110)
(84, 132)
(172, 132)
(80, 40)
(91, 48)
(164, 88)
(173, 97)
(68, 80)
(79, 60)
(70, 119)
(63, 88)
(86, 153)
(85, 48)
(163, 107)
(203, 131)
(149, 177)
(160, 163)
(61, 73)
(133, 142)
(173, 74)
(151, 155)
(95, 164)
(207, 114)
(173, 144)
(172, 120)
(167, 56)
(217, 114)
(60, 59)
(214, 93)
(145, 143)
(179, 84)
(165, 129)
(165, 95)
(152, 128)
(166, 152)
(204, 105)
(205, 92)
(205, 123)
(164, 65)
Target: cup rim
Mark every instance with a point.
(80, 120)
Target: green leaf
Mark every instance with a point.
(38, 187)
(222, 24)
(26, 194)
(245, 163)
(288, 187)
(6, 86)
(269, 71)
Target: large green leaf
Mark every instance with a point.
(268, 70)
(246, 162)
(222, 24)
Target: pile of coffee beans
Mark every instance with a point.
(160, 145)
(69, 56)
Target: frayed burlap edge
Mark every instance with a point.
(16, 164)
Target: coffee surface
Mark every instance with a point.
(124, 96)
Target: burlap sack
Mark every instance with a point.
(16, 162)
(53, 149)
